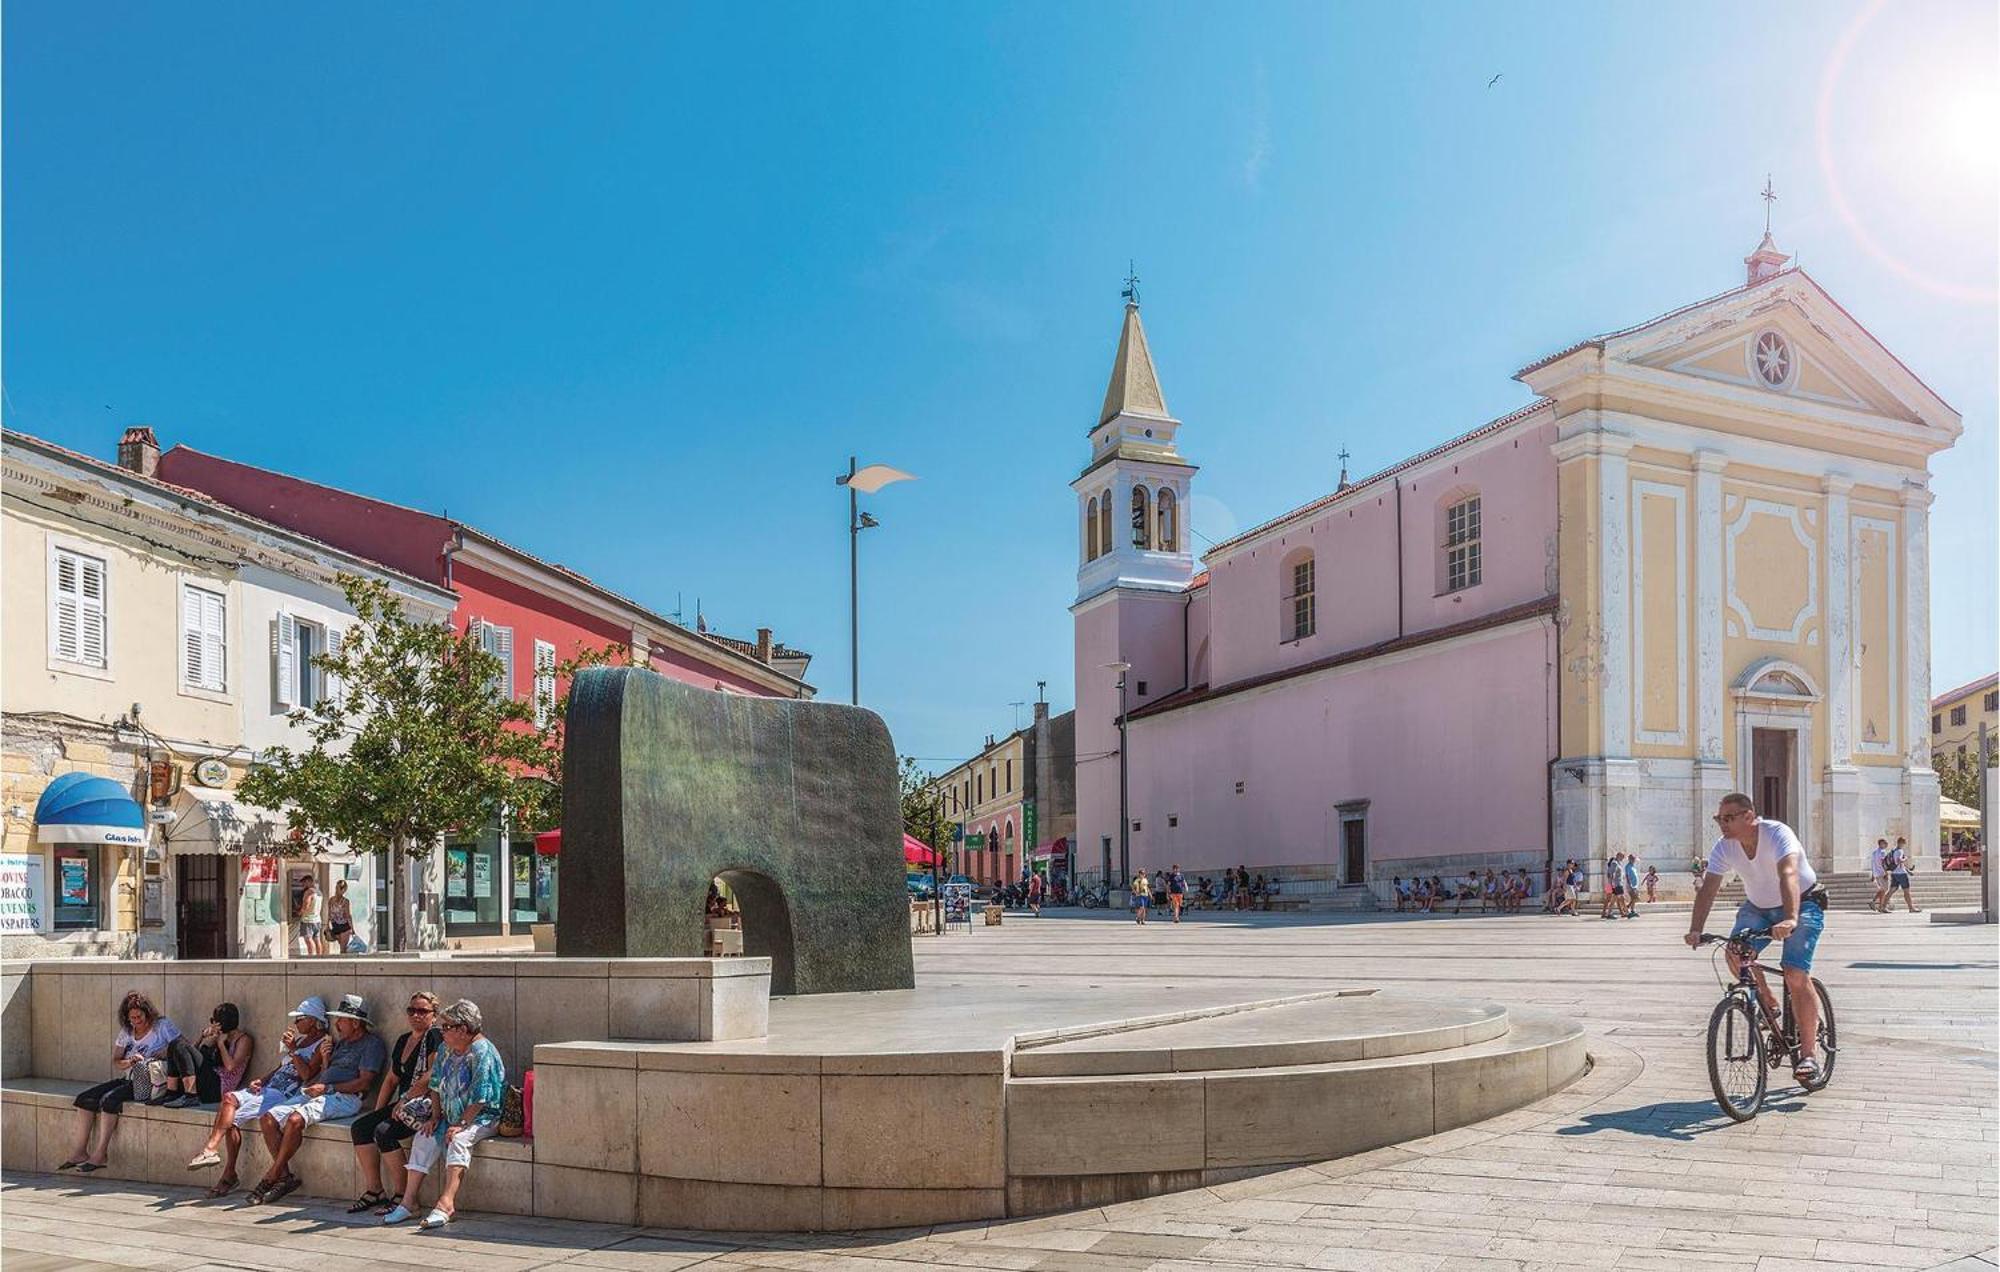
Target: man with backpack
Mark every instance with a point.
(1899, 876)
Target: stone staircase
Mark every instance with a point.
(1933, 890)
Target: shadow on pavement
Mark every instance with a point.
(1673, 1119)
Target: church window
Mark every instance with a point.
(1303, 596)
(1461, 545)
(1142, 518)
(1104, 522)
(1090, 530)
(1772, 357)
(1168, 512)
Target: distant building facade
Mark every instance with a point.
(1015, 802)
(1698, 563)
(1957, 714)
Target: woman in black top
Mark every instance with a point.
(378, 1131)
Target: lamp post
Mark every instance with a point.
(1124, 791)
(865, 481)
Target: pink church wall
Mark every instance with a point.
(1353, 542)
(1414, 734)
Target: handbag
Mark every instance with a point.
(513, 1117)
(149, 1078)
(414, 1112)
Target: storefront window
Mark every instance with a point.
(523, 889)
(472, 898)
(76, 888)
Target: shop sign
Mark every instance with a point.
(1028, 840)
(23, 894)
(75, 880)
(211, 772)
(260, 869)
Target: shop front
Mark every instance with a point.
(239, 883)
(78, 886)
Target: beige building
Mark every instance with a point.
(1957, 715)
(1016, 801)
(159, 640)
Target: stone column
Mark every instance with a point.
(1845, 849)
(1920, 782)
(1614, 537)
(1711, 768)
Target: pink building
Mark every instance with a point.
(1520, 644)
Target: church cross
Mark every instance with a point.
(1131, 292)
(1769, 196)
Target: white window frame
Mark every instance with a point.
(295, 683)
(1305, 600)
(219, 688)
(499, 641)
(59, 548)
(545, 683)
(1463, 564)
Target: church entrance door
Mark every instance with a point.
(1772, 763)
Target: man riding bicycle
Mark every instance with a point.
(1781, 893)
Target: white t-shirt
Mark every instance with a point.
(1775, 841)
(1877, 862)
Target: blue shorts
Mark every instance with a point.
(1799, 945)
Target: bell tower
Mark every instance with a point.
(1134, 566)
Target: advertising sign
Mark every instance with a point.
(23, 894)
(260, 869)
(1028, 840)
(482, 875)
(75, 881)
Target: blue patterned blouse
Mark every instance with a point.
(461, 1081)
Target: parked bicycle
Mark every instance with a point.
(1746, 1041)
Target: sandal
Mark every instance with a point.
(284, 1187)
(368, 1201)
(260, 1192)
(86, 1168)
(73, 1163)
(1806, 1071)
(221, 1188)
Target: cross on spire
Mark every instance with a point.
(1131, 292)
(1769, 196)
(1343, 469)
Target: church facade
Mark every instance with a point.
(1697, 563)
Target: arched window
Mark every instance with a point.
(1168, 510)
(1461, 543)
(1142, 518)
(1090, 530)
(1104, 522)
(1299, 580)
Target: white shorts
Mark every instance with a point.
(456, 1149)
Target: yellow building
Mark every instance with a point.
(1744, 553)
(1957, 715)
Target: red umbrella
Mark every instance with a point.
(549, 843)
(916, 852)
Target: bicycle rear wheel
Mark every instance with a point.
(1736, 1057)
(1827, 1039)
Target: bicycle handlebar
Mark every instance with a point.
(1710, 938)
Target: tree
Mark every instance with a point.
(923, 811)
(1958, 776)
(416, 741)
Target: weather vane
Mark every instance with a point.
(1131, 292)
(1770, 196)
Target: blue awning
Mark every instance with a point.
(80, 808)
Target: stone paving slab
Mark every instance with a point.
(1632, 1168)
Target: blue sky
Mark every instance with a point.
(627, 283)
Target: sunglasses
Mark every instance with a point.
(1723, 819)
(417, 1011)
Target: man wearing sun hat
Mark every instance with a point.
(301, 1054)
(354, 1057)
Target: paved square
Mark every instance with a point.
(1893, 1166)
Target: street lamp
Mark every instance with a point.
(867, 481)
(1124, 788)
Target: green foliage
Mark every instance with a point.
(415, 743)
(1958, 776)
(923, 810)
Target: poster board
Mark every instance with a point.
(24, 896)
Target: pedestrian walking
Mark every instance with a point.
(1878, 870)
(1652, 882)
(1035, 895)
(1899, 864)
(1142, 897)
(1631, 885)
(1176, 891)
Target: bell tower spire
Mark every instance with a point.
(1767, 259)
(1132, 495)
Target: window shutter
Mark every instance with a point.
(215, 640)
(192, 667)
(336, 686)
(77, 631)
(545, 683)
(503, 648)
(93, 641)
(285, 659)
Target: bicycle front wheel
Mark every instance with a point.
(1736, 1057)
(1827, 1040)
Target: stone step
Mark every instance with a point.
(1851, 891)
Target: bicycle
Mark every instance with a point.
(1745, 1041)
